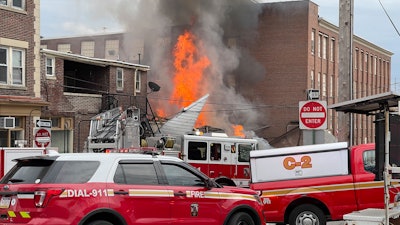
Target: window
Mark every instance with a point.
(56, 122)
(244, 152)
(324, 46)
(313, 42)
(50, 66)
(17, 67)
(64, 47)
(332, 50)
(178, 176)
(369, 160)
(48, 171)
(136, 173)
(71, 172)
(112, 49)
(12, 66)
(87, 48)
(324, 85)
(3, 65)
(120, 79)
(356, 59)
(16, 4)
(137, 80)
(215, 151)
(312, 79)
(319, 44)
(197, 150)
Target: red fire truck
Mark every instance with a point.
(223, 158)
(226, 159)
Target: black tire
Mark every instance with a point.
(241, 218)
(100, 222)
(307, 215)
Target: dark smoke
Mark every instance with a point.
(221, 25)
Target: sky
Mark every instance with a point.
(61, 18)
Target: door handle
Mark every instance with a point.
(121, 192)
(179, 193)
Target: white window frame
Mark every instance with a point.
(12, 64)
(10, 3)
(52, 66)
(138, 80)
(119, 79)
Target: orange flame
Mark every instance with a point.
(189, 71)
(238, 130)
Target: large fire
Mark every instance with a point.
(190, 79)
(189, 64)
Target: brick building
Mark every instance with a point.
(299, 51)
(19, 70)
(65, 88)
(79, 87)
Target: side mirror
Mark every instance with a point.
(209, 184)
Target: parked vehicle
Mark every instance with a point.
(8, 154)
(120, 189)
(313, 184)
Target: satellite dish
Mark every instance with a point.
(154, 87)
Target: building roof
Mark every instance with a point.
(94, 61)
(357, 39)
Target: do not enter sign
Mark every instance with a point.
(312, 115)
(42, 137)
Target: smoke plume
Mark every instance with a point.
(221, 26)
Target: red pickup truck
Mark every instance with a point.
(314, 184)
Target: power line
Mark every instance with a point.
(394, 26)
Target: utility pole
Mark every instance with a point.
(345, 81)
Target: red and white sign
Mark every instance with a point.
(42, 137)
(312, 115)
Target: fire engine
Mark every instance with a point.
(223, 158)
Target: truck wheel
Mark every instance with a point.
(99, 222)
(241, 218)
(307, 215)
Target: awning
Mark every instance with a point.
(369, 104)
